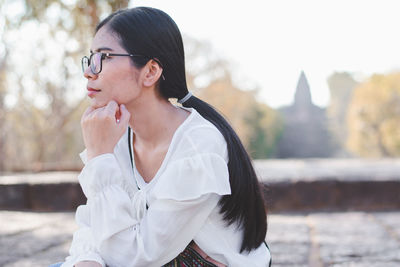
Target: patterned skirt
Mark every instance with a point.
(189, 258)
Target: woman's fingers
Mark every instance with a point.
(103, 127)
(88, 111)
(125, 116)
(111, 108)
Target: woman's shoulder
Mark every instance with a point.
(199, 136)
(197, 163)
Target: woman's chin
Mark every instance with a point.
(97, 104)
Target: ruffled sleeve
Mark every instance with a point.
(125, 234)
(192, 177)
(83, 246)
(93, 180)
(101, 172)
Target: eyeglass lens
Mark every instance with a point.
(85, 63)
(94, 62)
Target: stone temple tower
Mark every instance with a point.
(305, 132)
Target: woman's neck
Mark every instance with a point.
(154, 121)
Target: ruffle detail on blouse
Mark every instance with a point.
(191, 177)
(82, 248)
(139, 205)
(101, 172)
(83, 156)
(82, 216)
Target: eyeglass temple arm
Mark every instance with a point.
(132, 55)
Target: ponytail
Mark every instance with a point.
(245, 205)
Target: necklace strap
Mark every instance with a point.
(131, 155)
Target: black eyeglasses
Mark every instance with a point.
(95, 61)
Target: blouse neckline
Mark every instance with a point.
(136, 173)
(139, 178)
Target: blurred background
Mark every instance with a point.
(312, 88)
(295, 78)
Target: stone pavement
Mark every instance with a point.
(355, 239)
(340, 239)
(362, 227)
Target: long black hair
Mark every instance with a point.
(152, 33)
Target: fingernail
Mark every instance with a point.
(123, 106)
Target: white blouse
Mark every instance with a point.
(121, 226)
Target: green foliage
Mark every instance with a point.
(267, 127)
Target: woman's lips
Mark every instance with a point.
(92, 92)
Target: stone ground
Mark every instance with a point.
(316, 239)
(271, 170)
(337, 239)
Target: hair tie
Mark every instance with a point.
(183, 100)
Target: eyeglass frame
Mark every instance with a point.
(104, 55)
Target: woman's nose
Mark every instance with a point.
(88, 74)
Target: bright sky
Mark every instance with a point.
(270, 42)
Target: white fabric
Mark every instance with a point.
(116, 229)
(139, 179)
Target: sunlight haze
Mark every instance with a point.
(269, 42)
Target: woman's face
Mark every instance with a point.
(118, 79)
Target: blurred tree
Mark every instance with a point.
(374, 117)
(43, 71)
(46, 40)
(3, 131)
(266, 127)
(203, 64)
(341, 87)
(257, 125)
(209, 77)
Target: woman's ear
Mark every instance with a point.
(152, 74)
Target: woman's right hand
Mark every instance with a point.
(101, 129)
(87, 264)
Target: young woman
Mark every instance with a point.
(165, 185)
